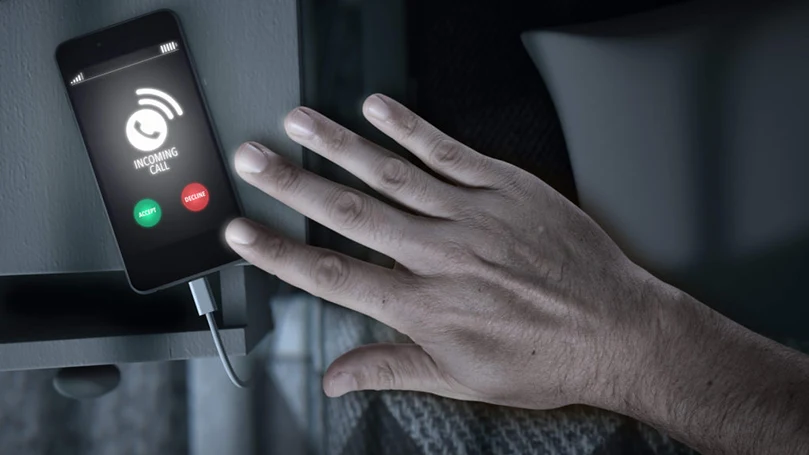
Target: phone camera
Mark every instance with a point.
(98, 44)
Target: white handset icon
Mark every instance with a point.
(147, 128)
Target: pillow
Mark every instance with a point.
(688, 134)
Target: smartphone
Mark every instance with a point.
(152, 147)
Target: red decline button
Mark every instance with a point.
(195, 197)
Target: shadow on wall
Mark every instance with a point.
(686, 131)
(765, 291)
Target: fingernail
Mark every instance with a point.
(342, 383)
(250, 159)
(241, 231)
(300, 124)
(377, 107)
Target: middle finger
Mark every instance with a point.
(349, 212)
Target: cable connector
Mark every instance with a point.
(203, 299)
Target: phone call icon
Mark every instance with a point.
(147, 128)
(142, 131)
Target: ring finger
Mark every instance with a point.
(381, 169)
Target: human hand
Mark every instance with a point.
(511, 294)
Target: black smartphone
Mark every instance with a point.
(152, 146)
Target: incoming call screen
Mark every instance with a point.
(152, 148)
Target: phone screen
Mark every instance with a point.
(155, 156)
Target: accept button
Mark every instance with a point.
(147, 213)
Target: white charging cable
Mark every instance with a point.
(203, 299)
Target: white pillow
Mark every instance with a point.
(688, 127)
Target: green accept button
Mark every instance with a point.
(147, 213)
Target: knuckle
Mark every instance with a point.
(330, 272)
(393, 173)
(511, 178)
(274, 247)
(337, 139)
(385, 377)
(447, 153)
(408, 125)
(348, 210)
(458, 257)
(285, 176)
(456, 252)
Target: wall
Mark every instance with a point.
(51, 215)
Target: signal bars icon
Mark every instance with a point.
(168, 47)
(77, 79)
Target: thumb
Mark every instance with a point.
(385, 366)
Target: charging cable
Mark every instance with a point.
(203, 299)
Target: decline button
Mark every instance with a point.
(195, 197)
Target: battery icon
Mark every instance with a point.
(171, 46)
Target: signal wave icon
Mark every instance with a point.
(147, 128)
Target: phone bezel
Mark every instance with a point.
(188, 259)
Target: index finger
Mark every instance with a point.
(367, 288)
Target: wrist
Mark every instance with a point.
(662, 332)
(703, 379)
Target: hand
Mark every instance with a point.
(511, 294)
